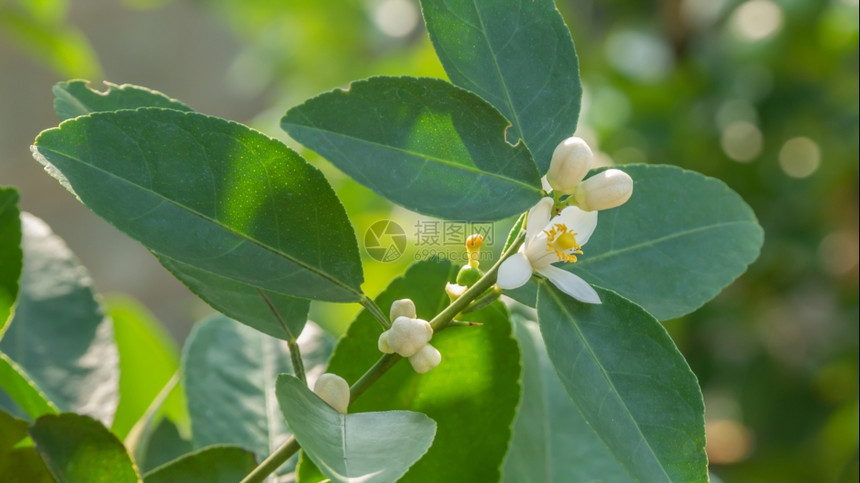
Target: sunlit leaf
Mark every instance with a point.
(10, 253)
(472, 395)
(215, 464)
(519, 57)
(423, 144)
(212, 194)
(79, 449)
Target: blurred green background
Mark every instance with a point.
(762, 94)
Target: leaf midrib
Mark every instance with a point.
(640, 246)
(217, 223)
(608, 380)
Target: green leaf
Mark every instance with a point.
(163, 445)
(61, 47)
(19, 464)
(74, 98)
(680, 239)
(244, 302)
(367, 447)
(59, 335)
(423, 144)
(630, 383)
(519, 57)
(212, 194)
(10, 253)
(78, 448)
(148, 358)
(18, 386)
(472, 395)
(215, 464)
(230, 373)
(551, 440)
(13, 431)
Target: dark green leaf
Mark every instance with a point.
(212, 194)
(630, 383)
(675, 244)
(74, 98)
(59, 335)
(22, 391)
(244, 302)
(516, 54)
(10, 253)
(148, 358)
(422, 143)
(24, 465)
(472, 395)
(163, 444)
(230, 373)
(367, 447)
(551, 440)
(215, 464)
(80, 449)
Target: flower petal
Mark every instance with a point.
(570, 284)
(514, 272)
(580, 222)
(538, 218)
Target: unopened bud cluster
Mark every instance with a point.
(570, 162)
(409, 337)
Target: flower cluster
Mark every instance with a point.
(560, 238)
(409, 336)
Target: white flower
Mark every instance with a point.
(548, 241)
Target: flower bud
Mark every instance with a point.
(468, 275)
(455, 291)
(382, 343)
(403, 308)
(570, 162)
(425, 359)
(334, 390)
(407, 336)
(604, 190)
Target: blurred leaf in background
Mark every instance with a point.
(39, 28)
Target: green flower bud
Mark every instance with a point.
(469, 275)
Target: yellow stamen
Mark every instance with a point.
(561, 241)
(473, 246)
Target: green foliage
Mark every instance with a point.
(59, 329)
(216, 464)
(551, 441)
(148, 358)
(624, 373)
(423, 144)
(74, 98)
(472, 395)
(257, 216)
(23, 392)
(372, 446)
(518, 56)
(680, 255)
(10, 253)
(79, 449)
(230, 372)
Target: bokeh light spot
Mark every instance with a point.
(728, 441)
(395, 18)
(799, 157)
(756, 20)
(838, 252)
(742, 141)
